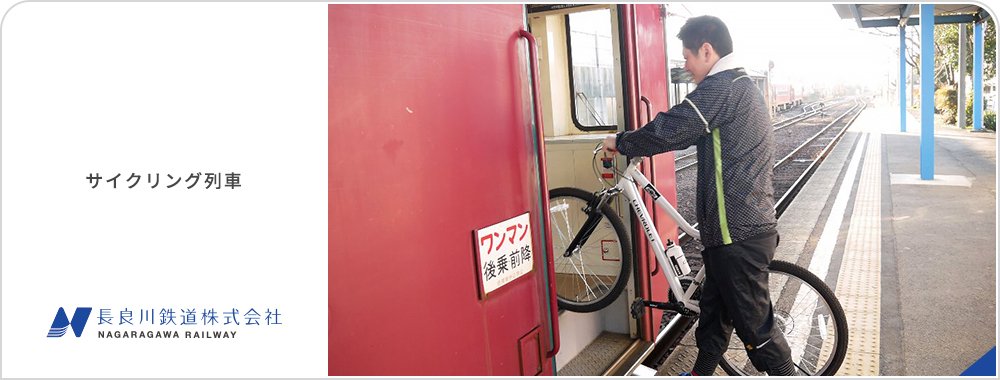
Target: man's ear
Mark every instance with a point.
(709, 51)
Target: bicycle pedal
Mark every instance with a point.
(638, 308)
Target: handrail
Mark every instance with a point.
(544, 184)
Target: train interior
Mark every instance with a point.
(582, 103)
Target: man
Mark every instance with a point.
(727, 117)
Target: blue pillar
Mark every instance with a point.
(902, 78)
(926, 91)
(977, 79)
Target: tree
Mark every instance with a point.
(946, 52)
(946, 40)
(946, 47)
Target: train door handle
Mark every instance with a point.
(544, 184)
(649, 109)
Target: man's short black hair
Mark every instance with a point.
(699, 30)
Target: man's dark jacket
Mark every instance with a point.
(727, 117)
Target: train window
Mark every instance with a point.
(591, 60)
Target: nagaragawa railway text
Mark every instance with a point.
(167, 334)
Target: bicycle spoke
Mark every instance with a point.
(562, 236)
(569, 229)
(804, 370)
(583, 269)
(599, 283)
(806, 308)
(813, 346)
(606, 286)
(582, 277)
(813, 367)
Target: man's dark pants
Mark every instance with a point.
(735, 294)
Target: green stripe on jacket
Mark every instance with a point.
(720, 196)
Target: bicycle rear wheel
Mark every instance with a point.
(809, 315)
(591, 278)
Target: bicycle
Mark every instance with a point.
(587, 280)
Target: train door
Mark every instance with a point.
(651, 77)
(434, 184)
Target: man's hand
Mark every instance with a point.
(609, 144)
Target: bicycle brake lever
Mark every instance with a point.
(607, 162)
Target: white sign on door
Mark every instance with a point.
(504, 251)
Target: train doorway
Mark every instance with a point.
(603, 71)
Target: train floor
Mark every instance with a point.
(912, 262)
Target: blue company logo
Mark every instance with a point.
(61, 322)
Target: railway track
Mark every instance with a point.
(794, 169)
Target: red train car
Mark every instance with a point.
(785, 97)
(457, 119)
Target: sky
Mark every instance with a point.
(808, 42)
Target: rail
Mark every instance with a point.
(544, 184)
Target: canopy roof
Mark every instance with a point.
(882, 15)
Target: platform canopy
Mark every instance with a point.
(883, 15)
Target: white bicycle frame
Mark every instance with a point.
(627, 183)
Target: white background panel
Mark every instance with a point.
(168, 88)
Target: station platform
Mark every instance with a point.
(912, 262)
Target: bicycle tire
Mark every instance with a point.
(839, 348)
(561, 240)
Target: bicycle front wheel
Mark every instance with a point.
(809, 315)
(591, 278)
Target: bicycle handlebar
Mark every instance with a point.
(631, 160)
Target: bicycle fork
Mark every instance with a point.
(593, 212)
